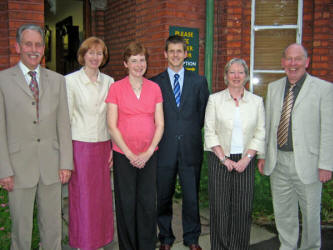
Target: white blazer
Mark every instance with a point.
(219, 120)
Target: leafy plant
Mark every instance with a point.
(262, 203)
(5, 224)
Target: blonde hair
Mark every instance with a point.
(241, 62)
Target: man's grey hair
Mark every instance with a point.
(29, 26)
(241, 62)
(304, 50)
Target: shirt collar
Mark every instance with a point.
(172, 73)
(25, 70)
(299, 83)
(244, 97)
(85, 79)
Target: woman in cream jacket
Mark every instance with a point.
(234, 133)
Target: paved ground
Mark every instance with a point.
(258, 234)
(262, 237)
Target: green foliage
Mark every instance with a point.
(203, 195)
(327, 203)
(5, 224)
(262, 203)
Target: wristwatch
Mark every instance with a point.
(224, 159)
(249, 156)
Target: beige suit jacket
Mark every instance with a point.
(219, 121)
(30, 150)
(312, 127)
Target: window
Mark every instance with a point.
(274, 25)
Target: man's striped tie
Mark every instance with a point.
(282, 134)
(176, 89)
(35, 90)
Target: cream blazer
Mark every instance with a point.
(312, 127)
(219, 120)
(87, 107)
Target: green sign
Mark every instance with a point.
(191, 36)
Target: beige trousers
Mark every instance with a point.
(290, 194)
(21, 203)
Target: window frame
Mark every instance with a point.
(298, 27)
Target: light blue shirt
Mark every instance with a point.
(180, 79)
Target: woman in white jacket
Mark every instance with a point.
(234, 133)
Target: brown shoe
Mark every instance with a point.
(195, 247)
(165, 247)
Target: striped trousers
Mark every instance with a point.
(231, 197)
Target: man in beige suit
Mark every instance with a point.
(35, 141)
(299, 148)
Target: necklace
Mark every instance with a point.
(137, 89)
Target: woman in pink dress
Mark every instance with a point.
(90, 195)
(136, 123)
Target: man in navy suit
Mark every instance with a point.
(185, 96)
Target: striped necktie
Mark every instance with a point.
(282, 134)
(176, 89)
(34, 89)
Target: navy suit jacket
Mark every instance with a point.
(183, 124)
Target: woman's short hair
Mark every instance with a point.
(241, 62)
(89, 43)
(133, 49)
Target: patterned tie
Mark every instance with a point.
(282, 134)
(35, 91)
(176, 89)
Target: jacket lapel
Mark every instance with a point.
(304, 91)
(168, 90)
(20, 80)
(186, 89)
(279, 96)
(42, 82)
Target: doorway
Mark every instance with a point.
(65, 29)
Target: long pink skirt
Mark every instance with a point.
(90, 196)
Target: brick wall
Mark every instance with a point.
(20, 12)
(120, 19)
(97, 23)
(4, 41)
(232, 36)
(322, 65)
(330, 43)
(308, 30)
(148, 21)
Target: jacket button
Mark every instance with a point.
(38, 140)
(35, 122)
(33, 103)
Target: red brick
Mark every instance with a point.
(21, 6)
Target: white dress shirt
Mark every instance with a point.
(87, 107)
(26, 70)
(237, 134)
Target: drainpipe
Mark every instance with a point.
(209, 42)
